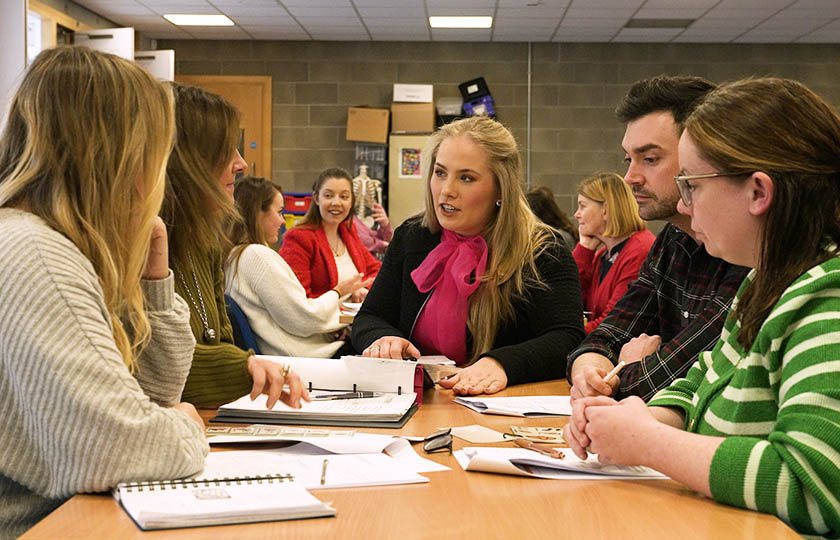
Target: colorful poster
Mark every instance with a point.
(409, 163)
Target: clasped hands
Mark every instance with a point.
(485, 376)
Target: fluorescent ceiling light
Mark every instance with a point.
(199, 20)
(460, 22)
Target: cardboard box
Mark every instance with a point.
(412, 117)
(413, 93)
(367, 125)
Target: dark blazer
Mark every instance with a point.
(307, 251)
(547, 322)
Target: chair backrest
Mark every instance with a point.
(243, 336)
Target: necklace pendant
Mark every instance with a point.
(209, 334)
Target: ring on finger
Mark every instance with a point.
(286, 370)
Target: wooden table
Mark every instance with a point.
(458, 504)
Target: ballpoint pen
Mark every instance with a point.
(347, 395)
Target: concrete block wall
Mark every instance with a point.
(575, 88)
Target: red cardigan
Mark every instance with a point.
(599, 298)
(308, 253)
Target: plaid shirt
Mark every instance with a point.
(682, 294)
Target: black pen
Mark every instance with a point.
(347, 395)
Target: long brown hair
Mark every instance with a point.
(514, 236)
(542, 203)
(785, 130)
(312, 219)
(84, 148)
(196, 209)
(253, 195)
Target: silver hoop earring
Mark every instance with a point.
(499, 203)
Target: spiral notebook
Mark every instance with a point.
(195, 503)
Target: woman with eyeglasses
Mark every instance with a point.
(614, 242)
(755, 422)
(285, 321)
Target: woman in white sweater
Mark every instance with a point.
(94, 344)
(283, 319)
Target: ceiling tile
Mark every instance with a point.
(524, 24)
(315, 3)
(680, 4)
(599, 13)
(460, 34)
(674, 13)
(571, 23)
(321, 12)
(372, 11)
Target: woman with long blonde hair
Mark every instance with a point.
(477, 278)
(95, 345)
(198, 209)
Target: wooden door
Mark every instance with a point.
(252, 96)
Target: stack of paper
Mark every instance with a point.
(389, 410)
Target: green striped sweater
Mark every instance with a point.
(778, 405)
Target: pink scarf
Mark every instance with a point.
(453, 270)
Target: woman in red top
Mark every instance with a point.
(324, 247)
(614, 242)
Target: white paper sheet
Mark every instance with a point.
(522, 462)
(530, 406)
(349, 470)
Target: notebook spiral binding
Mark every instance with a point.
(163, 485)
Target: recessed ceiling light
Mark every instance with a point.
(199, 20)
(460, 22)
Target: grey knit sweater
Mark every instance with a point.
(72, 417)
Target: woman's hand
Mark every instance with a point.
(622, 434)
(589, 242)
(575, 430)
(392, 347)
(486, 376)
(268, 379)
(379, 215)
(359, 295)
(157, 261)
(349, 285)
(189, 410)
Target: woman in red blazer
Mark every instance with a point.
(614, 242)
(324, 248)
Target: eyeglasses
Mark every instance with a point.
(439, 440)
(687, 189)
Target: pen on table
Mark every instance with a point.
(324, 471)
(445, 378)
(529, 445)
(614, 372)
(347, 395)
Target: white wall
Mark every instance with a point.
(13, 51)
